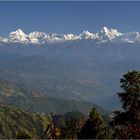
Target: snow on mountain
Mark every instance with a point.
(38, 37)
(103, 36)
(132, 37)
(71, 37)
(108, 34)
(87, 35)
(41, 37)
(18, 36)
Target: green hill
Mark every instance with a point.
(13, 120)
(37, 102)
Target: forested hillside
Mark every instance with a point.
(34, 101)
(14, 120)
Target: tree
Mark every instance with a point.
(74, 121)
(130, 96)
(94, 127)
(127, 123)
(72, 128)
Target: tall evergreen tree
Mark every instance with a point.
(94, 127)
(130, 96)
(127, 123)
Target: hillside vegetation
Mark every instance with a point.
(13, 120)
(36, 102)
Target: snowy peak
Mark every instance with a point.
(108, 34)
(17, 36)
(71, 37)
(18, 32)
(87, 35)
(37, 34)
(105, 30)
(103, 36)
(37, 37)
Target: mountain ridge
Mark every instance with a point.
(35, 101)
(102, 36)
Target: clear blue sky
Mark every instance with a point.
(66, 17)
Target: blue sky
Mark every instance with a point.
(66, 17)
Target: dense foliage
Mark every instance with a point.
(130, 96)
(17, 123)
(71, 124)
(94, 127)
(127, 123)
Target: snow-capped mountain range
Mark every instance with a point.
(103, 36)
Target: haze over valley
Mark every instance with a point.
(85, 67)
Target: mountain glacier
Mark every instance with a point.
(103, 36)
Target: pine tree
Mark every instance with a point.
(94, 127)
(130, 96)
(127, 123)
